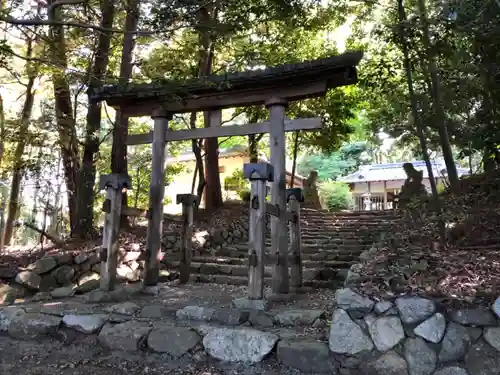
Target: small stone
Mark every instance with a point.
(260, 319)
(230, 317)
(8, 314)
(306, 356)
(414, 309)
(154, 312)
(452, 370)
(496, 307)
(63, 274)
(298, 317)
(29, 279)
(31, 326)
(421, 359)
(126, 336)
(250, 304)
(319, 323)
(41, 296)
(125, 308)
(346, 337)
(63, 292)
(386, 332)
(195, 313)
(389, 364)
(456, 342)
(100, 296)
(85, 323)
(473, 317)
(43, 265)
(81, 257)
(353, 302)
(492, 336)
(432, 329)
(239, 345)
(383, 306)
(175, 341)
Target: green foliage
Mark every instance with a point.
(347, 159)
(335, 196)
(236, 182)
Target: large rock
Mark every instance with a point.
(9, 293)
(250, 304)
(298, 317)
(473, 317)
(63, 292)
(353, 302)
(126, 336)
(63, 274)
(382, 307)
(496, 307)
(195, 313)
(48, 283)
(43, 265)
(432, 329)
(87, 286)
(125, 308)
(386, 332)
(131, 256)
(85, 323)
(492, 336)
(81, 257)
(346, 337)
(389, 364)
(8, 271)
(456, 343)
(414, 309)
(306, 356)
(421, 359)
(154, 312)
(29, 279)
(482, 359)
(32, 326)
(175, 341)
(451, 370)
(230, 317)
(239, 345)
(8, 314)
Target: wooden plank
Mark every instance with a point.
(312, 123)
(138, 212)
(156, 194)
(276, 212)
(295, 244)
(257, 241)
(236, 98)
(186, 242)
(110, 239)
(279, 236)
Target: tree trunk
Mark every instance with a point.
(64, 112)
(213, 189)
(120, 131)
(294, 162)
(418, 122)
(437, 99)
(88, 169)
(199, 169)
(18, 169)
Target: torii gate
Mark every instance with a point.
(274, 87)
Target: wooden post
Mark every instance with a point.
(294, 198)
(188, 201)
(279, 237)
(156, 194)
(258, 174)
(113, 184)
(386, 206)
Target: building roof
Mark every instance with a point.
(395, 171)
(177, 89)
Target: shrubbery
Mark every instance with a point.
(335, 196)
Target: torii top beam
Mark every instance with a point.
(290, 81)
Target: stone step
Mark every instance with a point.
(307, 263)
(346, 257)
(242, 280)
(314, 249)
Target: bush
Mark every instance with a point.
(335, 196)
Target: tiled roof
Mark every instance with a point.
(395, 171)
(240, 80)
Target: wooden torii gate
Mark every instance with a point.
(274, 87)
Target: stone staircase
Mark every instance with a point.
(331, 243)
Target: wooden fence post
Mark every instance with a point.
(156, 195)
(113, 184)
(188, 202)
(258, 174)
(294, 198)
(279, 237)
